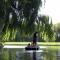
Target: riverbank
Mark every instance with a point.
(25, 43)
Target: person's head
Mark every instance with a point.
(36, 34)
(29, 44)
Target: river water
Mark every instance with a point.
(19, 53)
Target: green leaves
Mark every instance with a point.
(23, 16)
(46, 28)
(1, 9)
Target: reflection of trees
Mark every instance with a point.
(49, 54)
(1, 54)
(26, 56)
(57, 54)
(5, 55)
(12, 55)
(8, 54)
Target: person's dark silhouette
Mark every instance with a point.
(35, 37)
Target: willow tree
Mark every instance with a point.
(20, 10)
(45, 28)
(57, 31)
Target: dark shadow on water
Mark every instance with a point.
(34, 55)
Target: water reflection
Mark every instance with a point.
(52, 53)
(49, 53)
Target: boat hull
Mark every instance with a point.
(31, 48)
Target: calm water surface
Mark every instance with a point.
(46, 53)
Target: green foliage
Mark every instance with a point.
(46, 28)
(57, 31)
(9, 35)
(24, 15)
(1, 9)
(57, 27)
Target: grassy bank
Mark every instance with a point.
(39, 43)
